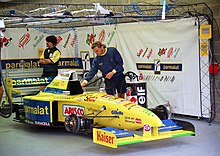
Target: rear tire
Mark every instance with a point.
(161, 111)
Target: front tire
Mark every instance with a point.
(72, 123)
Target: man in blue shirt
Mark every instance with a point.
(110, 63)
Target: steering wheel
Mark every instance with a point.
(132, 76)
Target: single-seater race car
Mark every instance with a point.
(112, 120)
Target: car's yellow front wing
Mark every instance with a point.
(109, 139)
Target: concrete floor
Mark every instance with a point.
(18, 139)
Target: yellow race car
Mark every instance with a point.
(112, 120)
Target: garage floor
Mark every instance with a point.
(17, 139)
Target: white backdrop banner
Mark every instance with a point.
(28, 45)
(166, 54)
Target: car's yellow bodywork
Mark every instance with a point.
(56, 102)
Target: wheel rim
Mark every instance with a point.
(72, 123)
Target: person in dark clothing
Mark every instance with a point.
(50, 59)
(110, 63)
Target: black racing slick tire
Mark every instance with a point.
(162, 110)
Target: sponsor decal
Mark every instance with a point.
(140, 52)
(102, 35)
(138, 120)
(133, 99)
(55, 83)
(73, 40)
(120, 101)
(170, 52)
(93, 110)
(137, 92)
(110, 97)
(145, 52)
(150, 53)
(67, 40)
(128, 91)
(145, 66)
(29, 121)
(59, 39)
(31, 81)
(64, 63)
(5, 42)
(141, 95)
(129, 104)
(90, 38)
(147, 128)
(172, 67)
(160, 78)
(129, 119)
(62, 83)
(103, 137)
(149, 113)
(105, 96)
(117, 112)
(64, 74)
(72, 109)
(42, 123)
(37, 110)
(24, 40)
(141, 76)
(111, 36)
(91, 99)
(157, 66)
(176, 51)
(38, 39)
(79, 99)
(162, 51)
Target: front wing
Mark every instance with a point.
(113, 137)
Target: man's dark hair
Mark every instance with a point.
(51, 39)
